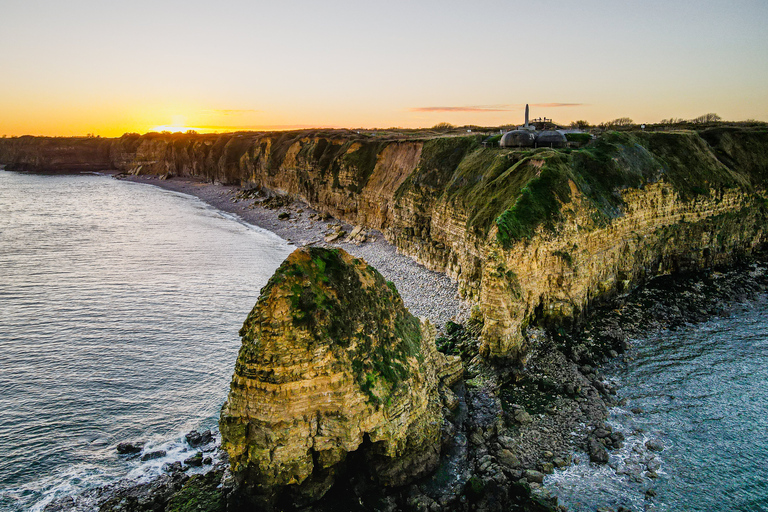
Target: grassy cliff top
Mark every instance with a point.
(518, 190)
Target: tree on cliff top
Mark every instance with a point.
(707, 118)
(618, 122)
(444, 127)
(581, 124)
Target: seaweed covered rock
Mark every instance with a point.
(331, 363)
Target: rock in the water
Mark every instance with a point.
(172, 467)
(597, 453)
(153, 455)
(125, 448)
(655, 445)
(331, 362)
(195, 438)
(601, 433)
(195, 460)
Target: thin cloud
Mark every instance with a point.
(556, 105)
(473, 108)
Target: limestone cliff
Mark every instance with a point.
(332, 363)
(530, 235)
(52, 154)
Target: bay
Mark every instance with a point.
(120, 305)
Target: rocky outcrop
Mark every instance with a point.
(531, 236)
(332, 367)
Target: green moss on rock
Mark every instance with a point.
(201, 493)
(349, 305)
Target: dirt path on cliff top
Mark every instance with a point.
(426, 294)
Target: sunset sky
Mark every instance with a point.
(78, 67)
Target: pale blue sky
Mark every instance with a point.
(107, 67)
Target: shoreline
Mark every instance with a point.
(664, 304)
(548, 430)
(521, 445)
(425, 293)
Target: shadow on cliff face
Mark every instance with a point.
(354, 491)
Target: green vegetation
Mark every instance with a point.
(328, 157)
(443, 127)
(522, 190)
(369, 326)
(689, 164)
(581, 124)
(199, 494)
(621, 122)
(578, 137)
(538, 203)
(363, 160)
(487, 182)
(439, 160)
(617, 161)
(460, 340)
(743, 151)
(493, 141)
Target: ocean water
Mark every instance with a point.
(120, 306)
(702, 391)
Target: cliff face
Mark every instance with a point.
(603, 219)
(51, 154)
(331, 362)
(529, 235)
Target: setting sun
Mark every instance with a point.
(179, 125)
(181, 129)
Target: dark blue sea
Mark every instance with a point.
(702, 392)
(120, 305)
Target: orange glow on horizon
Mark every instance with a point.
(81, 70)
(182, 129)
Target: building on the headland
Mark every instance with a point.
(527, 136)
(518, 139)
(550, 139)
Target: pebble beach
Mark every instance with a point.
(427, 294)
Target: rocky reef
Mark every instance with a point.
(332, 368)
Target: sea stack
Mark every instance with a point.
(331, 362)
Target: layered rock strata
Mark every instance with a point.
(530, 235)
(56, 154)
(332, 363)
